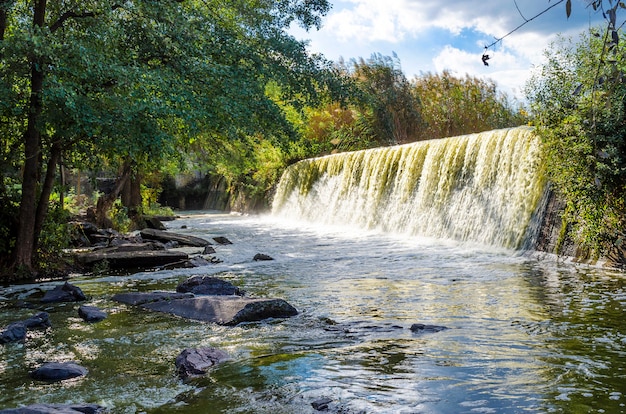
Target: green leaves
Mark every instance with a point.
(583, 133)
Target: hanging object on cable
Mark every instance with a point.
(486, 57)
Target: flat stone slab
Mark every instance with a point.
(225, 310)
(166, 236)
(141, 298)
(132, 259)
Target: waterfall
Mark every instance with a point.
(481, 188)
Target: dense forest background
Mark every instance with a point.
(144, 91)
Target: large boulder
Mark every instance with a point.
(64, 293)
(56, 409)
(195, 362)
(225, 310)
(206, 285)
(58, 371)
(141, 298)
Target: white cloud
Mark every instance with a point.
(433, 35)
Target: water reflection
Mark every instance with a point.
(524, 335)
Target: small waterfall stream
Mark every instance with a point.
(481, 188)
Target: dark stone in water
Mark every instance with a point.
(225, 310)
(14, 332)
(165, 236)
(41, 320)
(261, 256)
(193, 363)
(321, 404)
(222, 240)
(421, 328)
(206, 285)
(91, 313)
(57, 409)
(140, 298)
(58, 371)
(64, 293)
(208, 250)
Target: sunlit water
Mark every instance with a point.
(525, 335)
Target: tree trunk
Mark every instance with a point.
(46, 190)
(25, 243)
(131, 195)
(105, 202)
(5, 5)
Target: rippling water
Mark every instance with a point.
(525, 335)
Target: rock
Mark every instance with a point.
(225, 310)
(195, 362)
(132, 259)
(261, 256)
(321, 404)
(91, 313)
(155, 223)
(14, 332)
(197, 261)
(41, 320)
(64, 293)
(58, 371)
(56, 409)
(421, 328)
(165, 236)
(140, 298)
(222, 240)
(208, 250)
(206, 285)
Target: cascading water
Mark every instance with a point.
(481, 188)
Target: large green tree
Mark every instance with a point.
(455, 106)
(578, 98)
(133, 82)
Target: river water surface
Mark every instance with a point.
(524, 335)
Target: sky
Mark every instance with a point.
(430, 36)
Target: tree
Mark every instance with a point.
(388, 103)
(130, 83)
(579, 102)
(455, 106)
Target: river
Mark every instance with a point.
(524, 334)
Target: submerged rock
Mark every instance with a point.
(207, 285)
(422, 328)
(56, 409)
(58, 371)
(64, 293)
(260, 256)
(194, 362)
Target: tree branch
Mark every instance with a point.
(74, 15)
